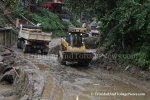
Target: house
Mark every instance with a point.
(94, 30)
(52, 5)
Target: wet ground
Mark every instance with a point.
(7, 92)
(74, 82)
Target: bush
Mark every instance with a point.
(127, 28)
(3, 21)
(49, 21)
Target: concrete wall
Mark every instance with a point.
(8, 37)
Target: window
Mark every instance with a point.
(75, 40)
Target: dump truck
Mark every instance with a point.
(32, 39)
(72, 48)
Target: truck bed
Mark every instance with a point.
(33, 35)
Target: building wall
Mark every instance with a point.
(8, 38)
(1, 38)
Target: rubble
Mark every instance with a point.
(1, 58)
(6, 53)
(8, 76)
(25, 97)
(26, 78)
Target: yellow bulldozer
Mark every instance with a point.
(72, 48)
(84, 29)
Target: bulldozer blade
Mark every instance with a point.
(77, 56)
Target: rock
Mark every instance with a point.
(6, 53)
(9, 60)
(2, 49)
(8, 76)
(107, 67)
(89, 44)
(1, 59)
(7, 92)
(4, 83)
(6, 69)
(1, 66)
(1, 97)
(25, 97)
(55, 50)
(13, 97)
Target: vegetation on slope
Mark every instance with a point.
(3, 20)
(125, 27)
(49, 21)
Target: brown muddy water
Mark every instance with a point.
(73, 82)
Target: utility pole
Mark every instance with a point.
(28, 12)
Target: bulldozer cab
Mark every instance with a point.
(75, 39)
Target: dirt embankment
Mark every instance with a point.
(109, 61)
(90, 42)
(19, 78)
(114, 63)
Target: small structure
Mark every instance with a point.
(7, 36)
(52, 5)
(94, 30)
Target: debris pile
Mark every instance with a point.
(91, 42)
(19, 78)
(7, 60)
(7, 74)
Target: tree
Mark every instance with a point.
(125, 25)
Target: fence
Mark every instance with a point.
(8, 36)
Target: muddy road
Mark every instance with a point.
(73, 82)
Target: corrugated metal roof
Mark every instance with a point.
(5, 28)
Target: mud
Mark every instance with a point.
(114, 64)
(20, 79)
(89, 44)
(7, 75)
(73, 82)
(86, 83)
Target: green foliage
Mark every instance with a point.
(143, 57)
(58, 33)
(3, 21)
(11, 3)
(48, 20)
(74, 22)
(19, 11)
(128, 24)
(125, 26)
